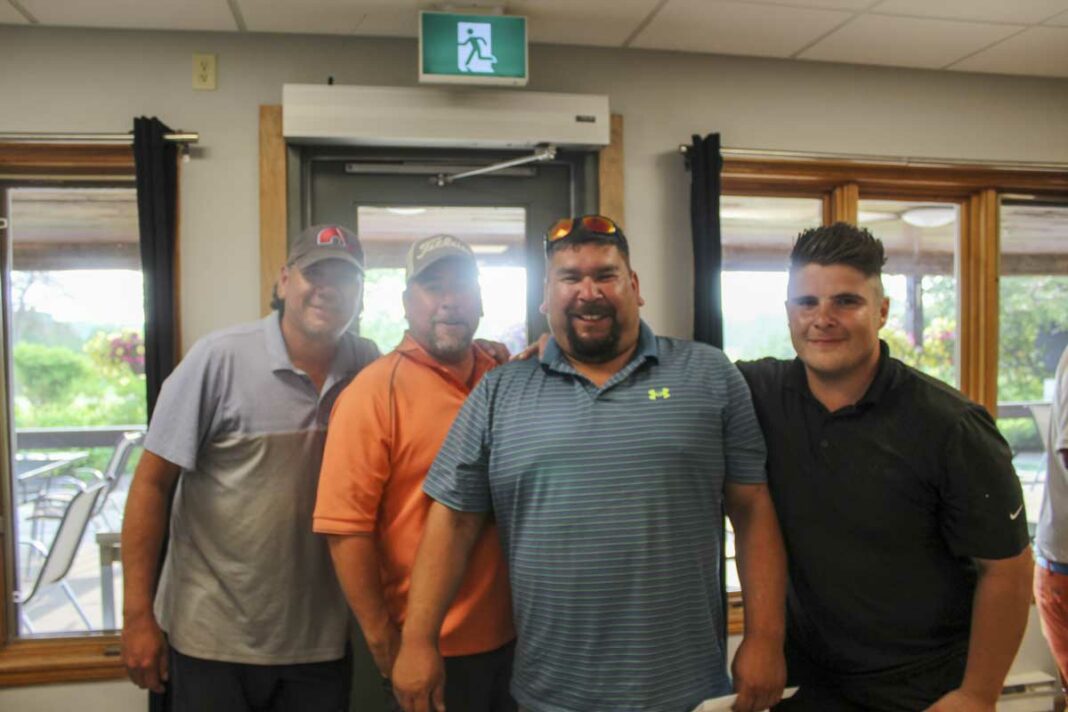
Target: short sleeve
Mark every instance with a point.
(746, 454)
(187, 408)
(982, 502)
(356, 462)
(459, 477)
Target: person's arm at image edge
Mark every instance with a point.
(144, 649)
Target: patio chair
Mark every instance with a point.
(51, 504)
(60, 555)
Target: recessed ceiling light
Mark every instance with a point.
(406, 211)
(930, 215)
(489, 249)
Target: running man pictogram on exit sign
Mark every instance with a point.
(472, 49)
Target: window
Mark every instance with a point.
(919, 277)
(78, 388)
(758, 233)
(1033, 333)
(74, 403)
(940, 227)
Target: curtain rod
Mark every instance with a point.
(184, 137)
(884, 160)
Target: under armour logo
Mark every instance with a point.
(662, 393)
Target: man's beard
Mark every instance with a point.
(594, 350)
(449, 349)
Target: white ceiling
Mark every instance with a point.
(1026, 37)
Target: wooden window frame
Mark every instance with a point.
(55, 658)
(977, 191)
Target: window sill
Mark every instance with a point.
(735, 613)
(47, 661)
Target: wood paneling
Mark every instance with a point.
(842, 204)
(931, 182)
(272, 201)
(36, 662)
(610, 178)
(980, 256)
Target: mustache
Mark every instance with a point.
(594, 310)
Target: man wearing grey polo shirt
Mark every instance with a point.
(607, 464)
(248, 614)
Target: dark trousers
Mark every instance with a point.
(198, 685)
(475, 683)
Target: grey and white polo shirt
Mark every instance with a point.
(245, 579)
(608, 502)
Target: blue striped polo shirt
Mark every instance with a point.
(609, 506)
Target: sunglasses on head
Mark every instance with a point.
(596, 224)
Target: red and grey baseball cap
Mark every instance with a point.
(325, 242)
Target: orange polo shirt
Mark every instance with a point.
(385, 430)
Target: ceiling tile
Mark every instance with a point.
(327, 17)
(389, 18)
(135, 14)
(1038, 51)
(736, 27)
(1060, 20)
(905, 41)
(850, 5)
(600, 23)
(11, 16)
(1020, 12)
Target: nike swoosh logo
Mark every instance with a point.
(1016, 513)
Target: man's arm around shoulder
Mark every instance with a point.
(144, 649)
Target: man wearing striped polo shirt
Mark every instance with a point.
(607, 464)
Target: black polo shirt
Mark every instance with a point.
(883, 505)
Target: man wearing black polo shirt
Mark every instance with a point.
(909, 566)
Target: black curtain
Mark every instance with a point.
(156, 161)
(705, 164)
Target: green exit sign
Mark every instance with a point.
(472, 49)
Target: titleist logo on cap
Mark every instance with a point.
(436, 243)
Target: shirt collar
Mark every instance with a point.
(553, 357)
(276, 343)
(278, 354)
(412, 349)
(886, 377)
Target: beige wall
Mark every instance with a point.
(85, 80)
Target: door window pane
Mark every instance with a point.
(1033, 326)
(920, 278)
(497, 236)
(77, 351)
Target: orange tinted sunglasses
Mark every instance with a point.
(597, 224)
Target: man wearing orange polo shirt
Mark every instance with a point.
(385, 430)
